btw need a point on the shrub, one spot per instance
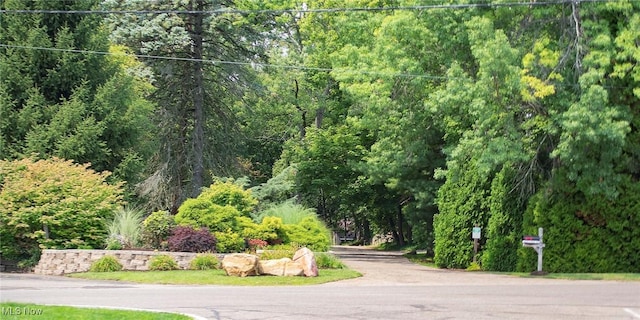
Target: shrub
(53, 204)
(230, 194)
(217, 208)
(310, 232)
(328, 261)
(163, 262)
(187, 239)
(205, 261)
(156, 228)
(504, 231)
(106, 264)
(230, 242)
(125, 228)
(202, 213)
(255, 244)
(463, 203)
(271, 229)
(584, 233)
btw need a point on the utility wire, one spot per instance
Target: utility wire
(223, 62)
(307, 10)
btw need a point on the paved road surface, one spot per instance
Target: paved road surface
(391, 288)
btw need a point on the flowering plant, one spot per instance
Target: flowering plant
(254, 244)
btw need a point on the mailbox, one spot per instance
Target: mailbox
(531, 241)
(536, 243)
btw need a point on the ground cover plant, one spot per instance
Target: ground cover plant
(163, 262)
(26, 311)
(106, 264)
(205, 261)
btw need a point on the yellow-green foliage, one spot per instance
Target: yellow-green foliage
(202, 213)
(163, 262)
(53, 204)
(310, 232)
(217, 208)
(230, 194)
(106, 264)
(474, 266)
(270, 229)
(205, 261)
(229, 241)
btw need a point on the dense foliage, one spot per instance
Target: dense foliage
(367, 117)
(187, 239)
(53, 204)
(156, 228)
(90, 108)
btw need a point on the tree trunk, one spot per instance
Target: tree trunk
(321, 109)
(394, 231)
(303, 113)
(198, 99)
(319, 117)
(367, 232)
(400, 227)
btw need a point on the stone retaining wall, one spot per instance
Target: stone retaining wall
(59, 262)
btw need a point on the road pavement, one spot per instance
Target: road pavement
(391, 288)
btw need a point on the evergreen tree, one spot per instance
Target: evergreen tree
(202, 68)
(62, 95)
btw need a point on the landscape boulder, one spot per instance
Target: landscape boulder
(307, 259)
(240, 265)
(280, 267)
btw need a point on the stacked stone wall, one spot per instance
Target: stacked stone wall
(59, 262)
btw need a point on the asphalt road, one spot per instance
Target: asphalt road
(391, 288)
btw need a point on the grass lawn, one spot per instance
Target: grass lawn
(24, 311)
(216, 277)
(583, 276)
(428, 261)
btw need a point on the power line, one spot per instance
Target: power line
(224, 62)
(307, 10)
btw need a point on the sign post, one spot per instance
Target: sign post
(537, 244)
(475, 234)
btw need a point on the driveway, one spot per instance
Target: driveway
(391, 288)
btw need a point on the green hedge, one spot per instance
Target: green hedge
(504, 232)
(463, 203)
(586, 234)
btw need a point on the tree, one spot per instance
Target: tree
(53, 204)
(199, 136)
(61, 99)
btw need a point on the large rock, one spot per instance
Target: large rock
(307, 259)
(280, 267)
(240, 265)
